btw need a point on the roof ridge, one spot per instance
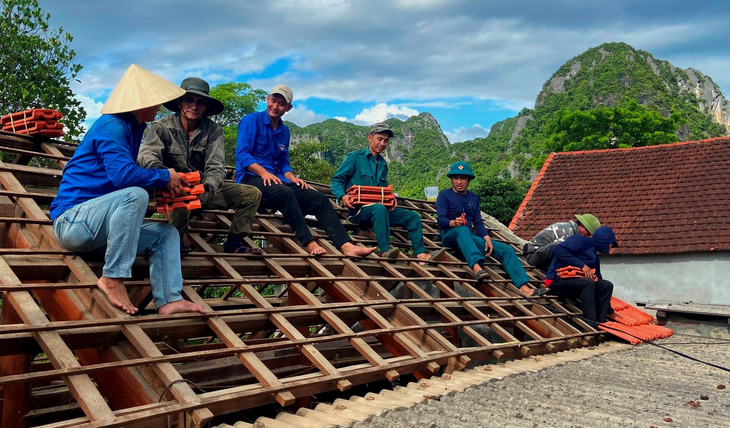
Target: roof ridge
(528, 196)
(655, 146)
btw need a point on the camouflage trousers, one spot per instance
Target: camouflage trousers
(241, 198)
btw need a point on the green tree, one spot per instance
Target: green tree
(239, 100)
(499, 198)
(307, 162)
(631, 125)
(36, 64)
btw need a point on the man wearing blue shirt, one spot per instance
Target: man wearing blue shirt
(262, 160)
(367, 167)
(461, 226)
(101, 203)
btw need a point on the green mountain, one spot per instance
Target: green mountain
(611, 82)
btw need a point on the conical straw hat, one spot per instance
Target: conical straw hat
(138, 89)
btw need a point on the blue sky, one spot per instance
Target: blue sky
(469, 63)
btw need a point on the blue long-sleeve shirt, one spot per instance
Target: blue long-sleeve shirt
(359, 168)
(259, 143)
(450, 205)
(105, 162)
(575, 251)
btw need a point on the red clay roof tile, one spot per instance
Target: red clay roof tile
(671, 198)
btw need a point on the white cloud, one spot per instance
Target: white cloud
(92, 107)
(340, 118)
(383, 111)
(467, 133)
(302, 116)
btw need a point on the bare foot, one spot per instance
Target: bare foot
(352, 250)
(180, 306)
(315, 249)
(423, 256)
(527, 290)
(116, 293)
(476, 268)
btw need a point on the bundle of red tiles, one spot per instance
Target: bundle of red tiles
(366, 195)
(40, 122)
(191, 200)
(571, 272)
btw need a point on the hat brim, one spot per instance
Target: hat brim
(214, 106)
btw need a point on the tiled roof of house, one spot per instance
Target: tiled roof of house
(672, 198)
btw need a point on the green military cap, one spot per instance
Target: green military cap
(380, 128)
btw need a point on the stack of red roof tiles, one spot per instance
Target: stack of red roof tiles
(41, 122)
(632, 324)
(665, 199)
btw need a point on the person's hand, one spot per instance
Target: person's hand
(488, 247)
(299, 182)
(460, 221)
(205, 197)
(270, 179)
(588, 273)
(395, 204)
(176, 185)
(346, 202)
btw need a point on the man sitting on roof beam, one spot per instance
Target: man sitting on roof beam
(367, 167)
(101, 203)
(262, 160)
(461, 226)
(188, 141)
(539, 250)
(575, 272)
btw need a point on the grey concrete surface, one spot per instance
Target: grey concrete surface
(697, 277)
(638, 387)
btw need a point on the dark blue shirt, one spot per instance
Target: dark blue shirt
(575, 251)
(259, 143)
(450, 205)
(105, 162)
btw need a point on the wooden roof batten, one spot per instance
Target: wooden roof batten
(69, 358)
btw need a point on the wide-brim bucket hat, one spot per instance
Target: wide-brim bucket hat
(460, 168)
(198, 86)
(139, 89)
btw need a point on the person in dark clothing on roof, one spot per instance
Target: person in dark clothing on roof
(581, 252)
(461, 226)
(262, 160)
(539, 250)
(101, 201)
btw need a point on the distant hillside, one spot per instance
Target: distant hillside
(610, 75)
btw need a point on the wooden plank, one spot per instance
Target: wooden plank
(81, 386)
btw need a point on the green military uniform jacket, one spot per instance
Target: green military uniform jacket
(359, 168)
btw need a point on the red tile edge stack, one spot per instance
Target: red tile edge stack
(166, 203)
(632, 324)
(366, 195)
(38, 122)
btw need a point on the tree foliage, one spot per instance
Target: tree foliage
(239, 99)
(631, 125)
(36, 64)
(499, 198)
(307, 162)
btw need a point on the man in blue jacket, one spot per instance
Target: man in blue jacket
(582, 252)
(367, 167)
(262, 161)
(101, 201)
(461, 226)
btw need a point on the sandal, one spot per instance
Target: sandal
(481, 275)
(243, 249)
(537, 292)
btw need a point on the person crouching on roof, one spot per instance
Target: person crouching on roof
(581, 253)
(101, 201)
(461, 226)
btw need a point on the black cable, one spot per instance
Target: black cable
(167, 388)
(595, 324)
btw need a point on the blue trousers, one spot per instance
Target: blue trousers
(114, 223)
(472, 247)
(380, 218)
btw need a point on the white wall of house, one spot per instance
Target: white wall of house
(697, 277)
